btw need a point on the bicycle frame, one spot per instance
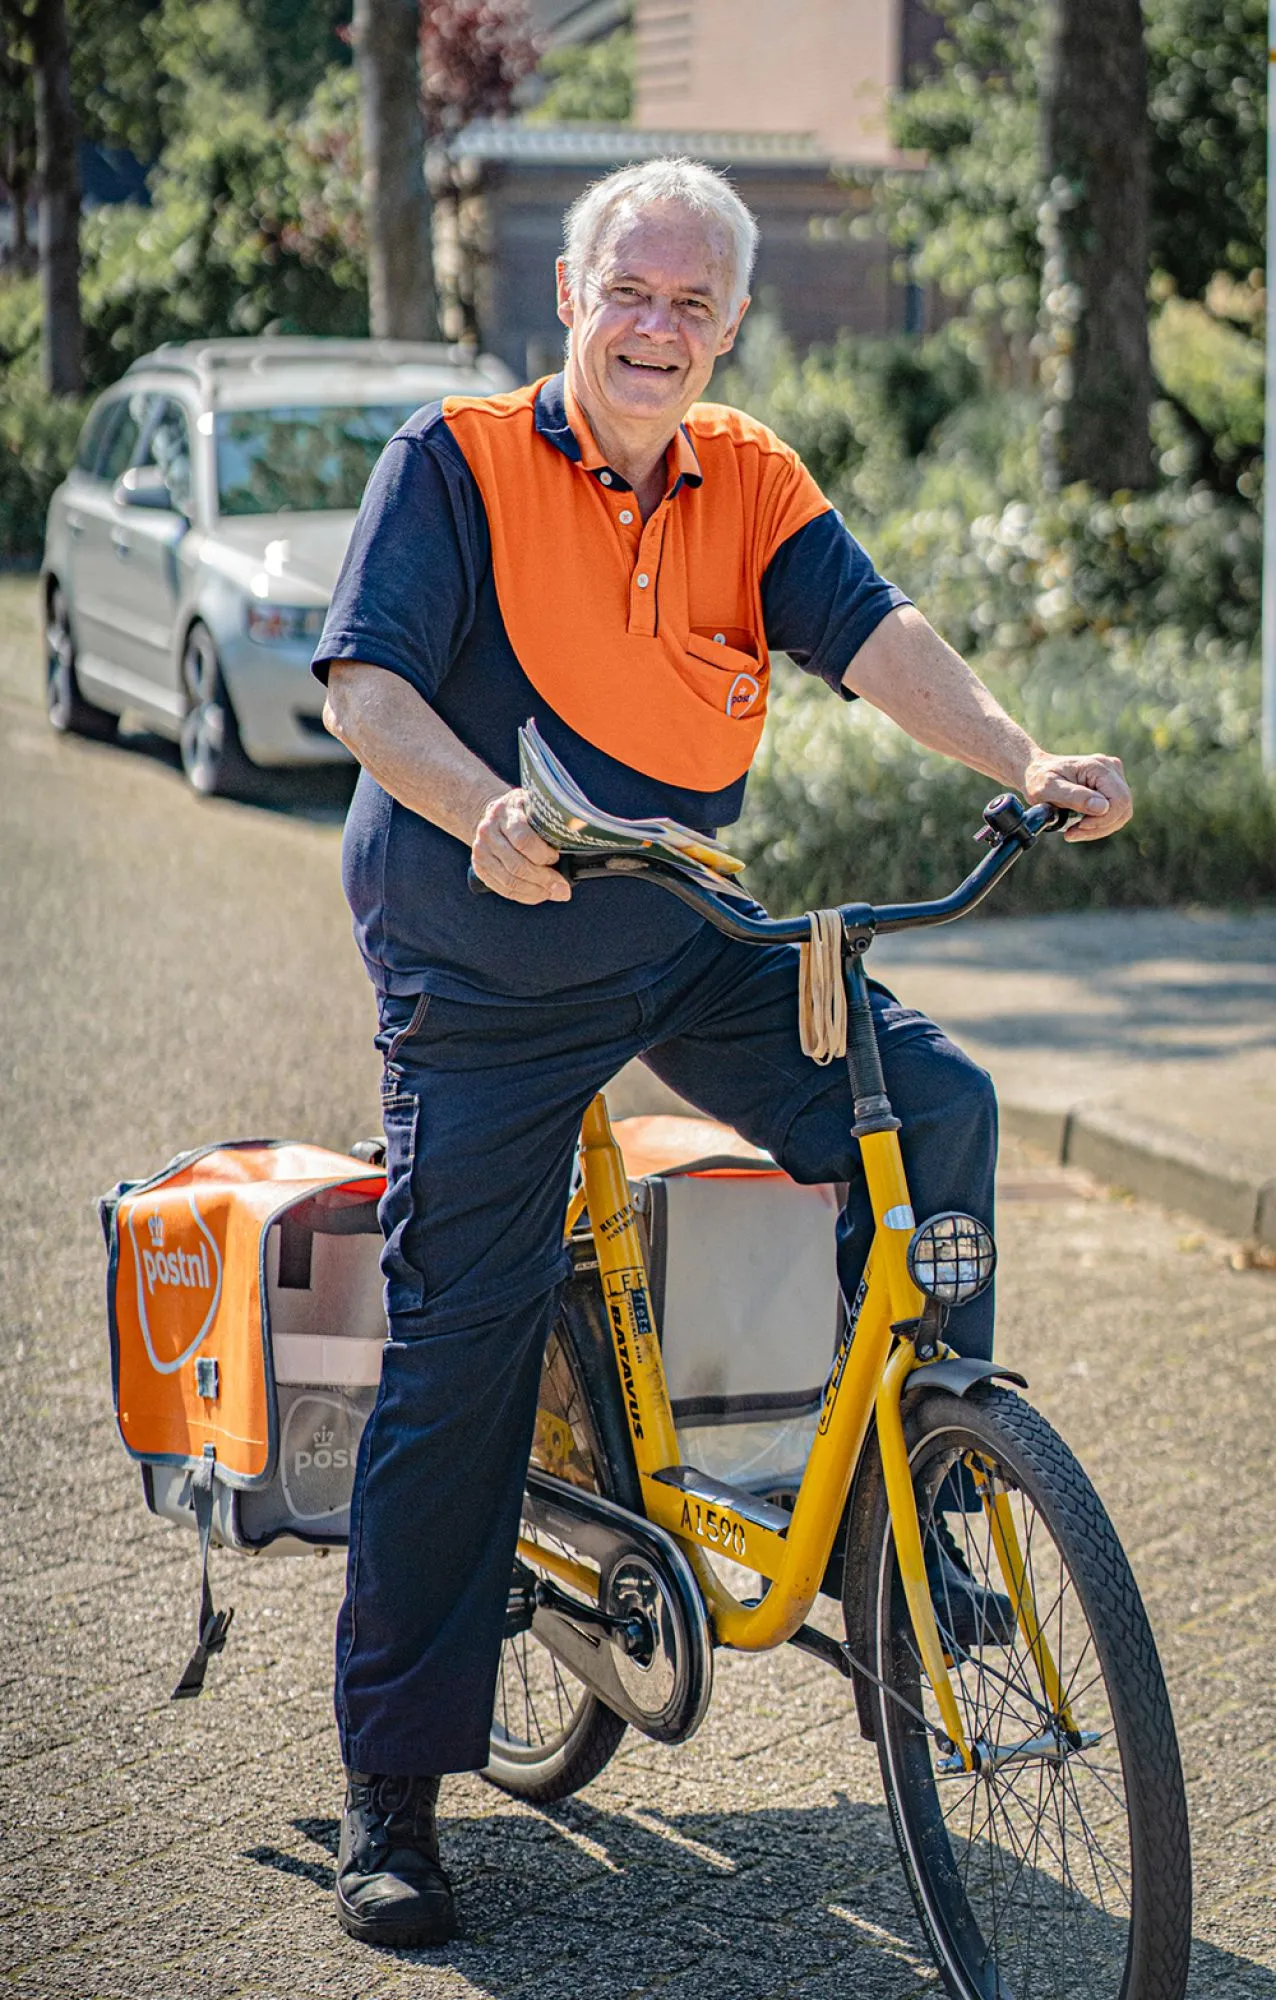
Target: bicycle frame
(872, 1364)
(860, 1384)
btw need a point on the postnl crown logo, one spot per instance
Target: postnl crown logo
(742, 694)
(179, 1287)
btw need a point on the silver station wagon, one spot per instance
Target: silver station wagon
(191, 551)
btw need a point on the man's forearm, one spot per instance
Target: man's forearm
(910, 673)
(414, 756)
(408, 749)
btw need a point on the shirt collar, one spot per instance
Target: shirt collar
(560, 420)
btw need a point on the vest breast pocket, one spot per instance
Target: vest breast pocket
(724, 671)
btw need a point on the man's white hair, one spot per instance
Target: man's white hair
(686, 184)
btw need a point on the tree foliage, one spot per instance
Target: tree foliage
(971, 221)
(588, 82)
(474, 55)
(1208, 112)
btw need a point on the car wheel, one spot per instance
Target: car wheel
(213, 757)
(68, 711)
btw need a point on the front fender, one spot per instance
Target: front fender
(958, 1373)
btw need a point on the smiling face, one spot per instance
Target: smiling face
(648, 320)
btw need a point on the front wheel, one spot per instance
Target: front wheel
(213, 758)
(1060, 1868)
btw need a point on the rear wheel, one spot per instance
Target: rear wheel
(68, 710)
(550, 1735)
(213, 758)
(1061, 1866)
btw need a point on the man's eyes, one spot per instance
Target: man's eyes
(630, 294)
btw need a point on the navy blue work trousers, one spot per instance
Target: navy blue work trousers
(482, 1106)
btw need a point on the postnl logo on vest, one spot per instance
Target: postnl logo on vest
(743, 692)
(179, 1283)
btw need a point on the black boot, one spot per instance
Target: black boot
(969, 1614)
(390, 1887)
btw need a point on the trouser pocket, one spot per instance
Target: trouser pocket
(398, 1027)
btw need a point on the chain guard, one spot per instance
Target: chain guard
(642, 1568)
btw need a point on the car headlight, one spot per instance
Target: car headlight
(952, 1258)
(282, 624)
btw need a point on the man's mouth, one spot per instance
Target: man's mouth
(650, 367)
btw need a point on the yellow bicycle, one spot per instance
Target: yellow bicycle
(1030, 1762)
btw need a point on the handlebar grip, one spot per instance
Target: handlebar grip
(1061, 818)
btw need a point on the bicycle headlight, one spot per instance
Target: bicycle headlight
(952, 1258)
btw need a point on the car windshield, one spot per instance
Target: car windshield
(301, 459)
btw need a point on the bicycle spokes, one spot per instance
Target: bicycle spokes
(1038, 1832)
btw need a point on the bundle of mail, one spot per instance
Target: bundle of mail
(563, 816)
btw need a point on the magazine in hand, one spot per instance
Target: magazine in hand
(562, 815)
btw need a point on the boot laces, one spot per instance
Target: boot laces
(402, 1808)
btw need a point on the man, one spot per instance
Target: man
(606, 554)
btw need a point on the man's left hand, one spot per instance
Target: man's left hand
(1094, 786)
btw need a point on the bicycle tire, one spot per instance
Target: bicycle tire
(1064, 1872)
(564, 1735)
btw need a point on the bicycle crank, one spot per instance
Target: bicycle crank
(645, 1648)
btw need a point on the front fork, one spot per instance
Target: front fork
(877, 1130)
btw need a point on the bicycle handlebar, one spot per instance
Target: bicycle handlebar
(1011, 827)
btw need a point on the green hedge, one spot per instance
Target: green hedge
(841, 804)
(37, 443)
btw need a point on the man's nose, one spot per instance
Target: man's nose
(657, 320)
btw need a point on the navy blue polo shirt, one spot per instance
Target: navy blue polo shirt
(439, 549)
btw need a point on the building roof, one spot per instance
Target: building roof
(560, 21)
(613, 145)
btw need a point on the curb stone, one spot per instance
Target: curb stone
(1162, 1163)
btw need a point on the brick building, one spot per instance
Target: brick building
(820, 67)
(783, 98)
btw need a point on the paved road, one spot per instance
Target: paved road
(171, 972)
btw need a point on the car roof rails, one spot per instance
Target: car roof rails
(206, 359)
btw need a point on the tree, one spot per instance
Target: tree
(58, 172)
(972, 220)
(396, 198)
(969, 220)
(1208, 110)
(971, 217)
(474, 55)
(272, 54)
(588, 82)
(1095, 236)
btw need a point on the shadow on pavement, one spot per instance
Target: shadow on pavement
(719, 1905)
(319, 792)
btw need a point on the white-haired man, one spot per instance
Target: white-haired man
(610, 555)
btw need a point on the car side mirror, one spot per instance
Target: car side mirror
(146, 486)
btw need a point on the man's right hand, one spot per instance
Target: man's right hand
(512, 859)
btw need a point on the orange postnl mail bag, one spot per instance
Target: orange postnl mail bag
(246, 1321)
